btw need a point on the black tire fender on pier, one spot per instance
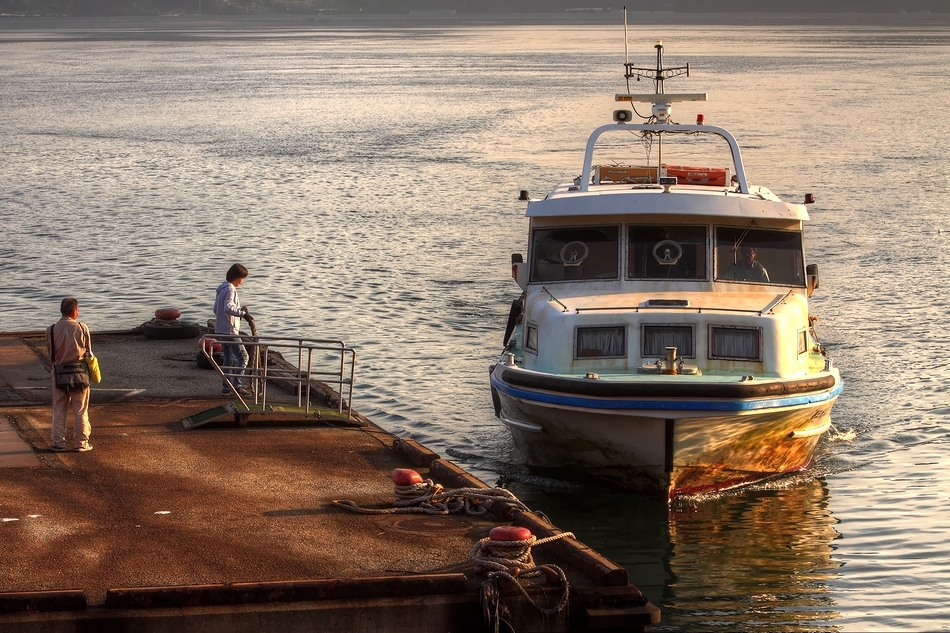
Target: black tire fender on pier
(204, 363)
(170, 330)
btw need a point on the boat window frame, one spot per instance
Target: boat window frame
(527, 327)
(708, 262)
(803, 350)
(603, 326)
(532, 271)
(643, 334)
(760, 342)
(754, 227)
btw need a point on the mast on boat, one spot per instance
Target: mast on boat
(662, 102)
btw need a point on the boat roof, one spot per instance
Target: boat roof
(682, 200)
(586, 197)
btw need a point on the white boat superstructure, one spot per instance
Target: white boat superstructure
(663, 340)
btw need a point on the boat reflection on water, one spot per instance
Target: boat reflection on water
(773, 547)
(761, 560)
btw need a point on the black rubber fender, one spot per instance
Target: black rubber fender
(171, 330)
(204, 363)
(514, 314)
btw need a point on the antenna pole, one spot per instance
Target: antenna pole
(658, 74)
(626, 56)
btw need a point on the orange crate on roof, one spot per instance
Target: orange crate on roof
(710, 176)
(627, 174)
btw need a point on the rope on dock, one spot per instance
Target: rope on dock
(504, 554)
(512, 560)
(428, 497)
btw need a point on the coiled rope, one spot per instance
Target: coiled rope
(511, 559)
(427, 497)
(504, 554)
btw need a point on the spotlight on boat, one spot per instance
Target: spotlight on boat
(667, 182)
(700, 119)
(523, 196)
(809, 198)
(622, 116)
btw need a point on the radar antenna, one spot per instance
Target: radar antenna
(658, 74)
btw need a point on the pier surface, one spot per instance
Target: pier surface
(231, 526)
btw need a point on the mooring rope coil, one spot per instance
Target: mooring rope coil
(428, 497)
(504, 553)
(512, 560)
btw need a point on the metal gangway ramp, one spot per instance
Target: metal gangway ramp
(312, 369)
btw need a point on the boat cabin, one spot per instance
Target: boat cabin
(633, 261)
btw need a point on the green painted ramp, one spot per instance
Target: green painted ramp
(233, 412)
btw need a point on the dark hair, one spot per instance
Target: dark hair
(67, 306)
(236, 272)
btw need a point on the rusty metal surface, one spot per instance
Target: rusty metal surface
(42, 601)
(155, 505)
(415, 452)
(286, 591)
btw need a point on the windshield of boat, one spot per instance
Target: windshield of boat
(747, 255)
(579, 253)
(666, 252)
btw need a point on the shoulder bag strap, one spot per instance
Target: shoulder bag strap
(88, 337)
(52, 345)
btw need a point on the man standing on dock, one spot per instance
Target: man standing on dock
(67, 343)
(227, 320)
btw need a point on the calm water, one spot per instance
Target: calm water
(368, 180)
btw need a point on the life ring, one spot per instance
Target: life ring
(209, 344)
(170, 330)
(574, 253)
(509, 533)
(167, 314)
(667, 258)
(405, 477)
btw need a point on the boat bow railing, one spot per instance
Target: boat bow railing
(768, 309)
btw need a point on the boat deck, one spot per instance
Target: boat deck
(232, 527)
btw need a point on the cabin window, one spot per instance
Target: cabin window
(759, 256)
(573, 254)
(531, 337)
(600, 342)
(666, 252)
(656, 338)
(736, 343)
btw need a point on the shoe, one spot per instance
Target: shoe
(58, 448)
(82, 448)
(243, 391)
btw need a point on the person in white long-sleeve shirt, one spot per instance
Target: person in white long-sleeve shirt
(227, 320)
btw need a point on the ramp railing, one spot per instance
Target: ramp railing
(294, 361)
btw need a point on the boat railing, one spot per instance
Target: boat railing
(696, 309)
(296, 362)
(663, 128)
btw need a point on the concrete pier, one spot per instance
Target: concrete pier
(232, 527)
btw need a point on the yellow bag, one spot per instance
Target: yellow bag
(92, 363)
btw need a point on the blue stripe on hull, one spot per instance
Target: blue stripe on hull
(622, 404)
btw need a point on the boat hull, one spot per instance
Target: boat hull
(666, 446)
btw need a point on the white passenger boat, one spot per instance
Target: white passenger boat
(663, 341)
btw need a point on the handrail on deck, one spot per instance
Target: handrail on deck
(336, 366)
